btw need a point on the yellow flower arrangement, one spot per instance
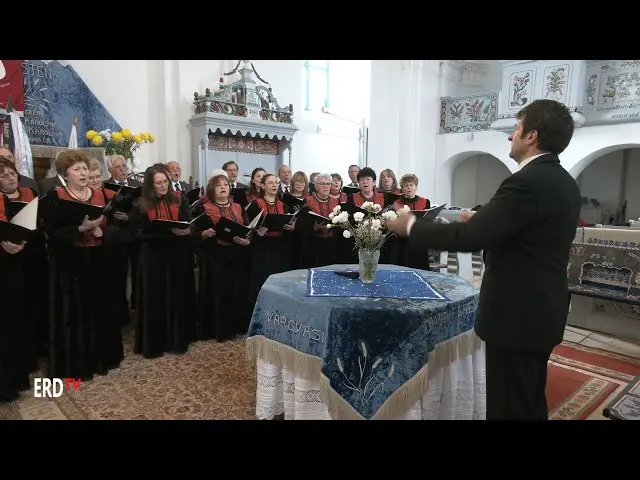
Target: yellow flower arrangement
(123, 143)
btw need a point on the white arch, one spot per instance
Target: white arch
(584, 162)
(455, 148)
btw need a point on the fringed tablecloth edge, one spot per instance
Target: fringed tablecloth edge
(275, 353)
(412, 390)
(310, 368)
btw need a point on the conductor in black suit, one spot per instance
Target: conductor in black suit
(526, 231)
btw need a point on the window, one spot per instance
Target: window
(317, 84)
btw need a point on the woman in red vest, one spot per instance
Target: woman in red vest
(81, 341)
(166, 283)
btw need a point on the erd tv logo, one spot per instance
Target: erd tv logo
(53, 387)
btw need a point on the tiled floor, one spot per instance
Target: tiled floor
(604, 342)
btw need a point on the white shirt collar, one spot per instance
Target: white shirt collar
(526, 161)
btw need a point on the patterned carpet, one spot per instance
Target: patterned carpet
(582, 380)
(213, 381)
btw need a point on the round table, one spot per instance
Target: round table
(356, 357)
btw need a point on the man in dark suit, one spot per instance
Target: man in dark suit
(284, 174)
(117, 168)
(232, 172)
(23, 182)
(526, 231)
(118, 171)
(176, 172)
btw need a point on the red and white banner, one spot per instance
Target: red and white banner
(11, 87)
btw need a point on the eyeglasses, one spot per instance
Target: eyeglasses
(323, 184)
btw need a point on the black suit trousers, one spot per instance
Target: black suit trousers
(516, 383)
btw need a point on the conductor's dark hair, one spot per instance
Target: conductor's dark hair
(552, 120)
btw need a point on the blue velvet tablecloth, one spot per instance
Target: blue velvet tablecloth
(369, 347)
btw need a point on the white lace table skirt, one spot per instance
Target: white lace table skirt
(455, 392)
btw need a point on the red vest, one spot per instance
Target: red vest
(323, 208)
(97, 199)
(232, 212)
(416, 203)
(267, 208)
(377, 198)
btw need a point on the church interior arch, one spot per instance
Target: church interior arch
(475, 179)
(608, 181)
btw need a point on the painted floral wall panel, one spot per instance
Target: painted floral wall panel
(612, 92)
(468, 114)
(520, 89)
(556, 83)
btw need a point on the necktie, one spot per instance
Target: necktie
(177, 186)
(286, 189)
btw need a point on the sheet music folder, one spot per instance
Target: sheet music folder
(159, 226)
(291, 201)
(430, 214)
(69, 213)
(227, 229)
(276, 221)
(124, 198)
(22, 224)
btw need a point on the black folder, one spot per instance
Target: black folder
(14, 233)
(316, 217)
(193, 196)
(160, 227)
(14, 207)
(291, 201)
(349, 190)
(227, 229)
(124, 199)
(69, 213)
(123, 189)
(275, 221)
(430, 214)
(14, 230)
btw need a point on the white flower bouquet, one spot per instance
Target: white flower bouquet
(368, 228)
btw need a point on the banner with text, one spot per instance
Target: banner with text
(53, 95)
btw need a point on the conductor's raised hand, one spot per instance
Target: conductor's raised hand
(400, 224)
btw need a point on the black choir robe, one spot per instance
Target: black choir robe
(403, 253)
(15, 339)
(270, 254)
(166, 290)
(84, 333)
(224, 301)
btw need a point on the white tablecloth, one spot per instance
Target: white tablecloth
(455, 392)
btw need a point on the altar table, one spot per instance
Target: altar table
(347, 358)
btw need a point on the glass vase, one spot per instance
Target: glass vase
(368, 264)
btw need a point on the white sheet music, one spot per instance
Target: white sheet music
(28, 216)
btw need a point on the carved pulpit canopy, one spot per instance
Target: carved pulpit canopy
(244, 107)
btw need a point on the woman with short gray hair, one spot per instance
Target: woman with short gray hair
(321, 239)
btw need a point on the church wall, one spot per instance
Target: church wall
(588, 144)
(121, 86)
(157, 95)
